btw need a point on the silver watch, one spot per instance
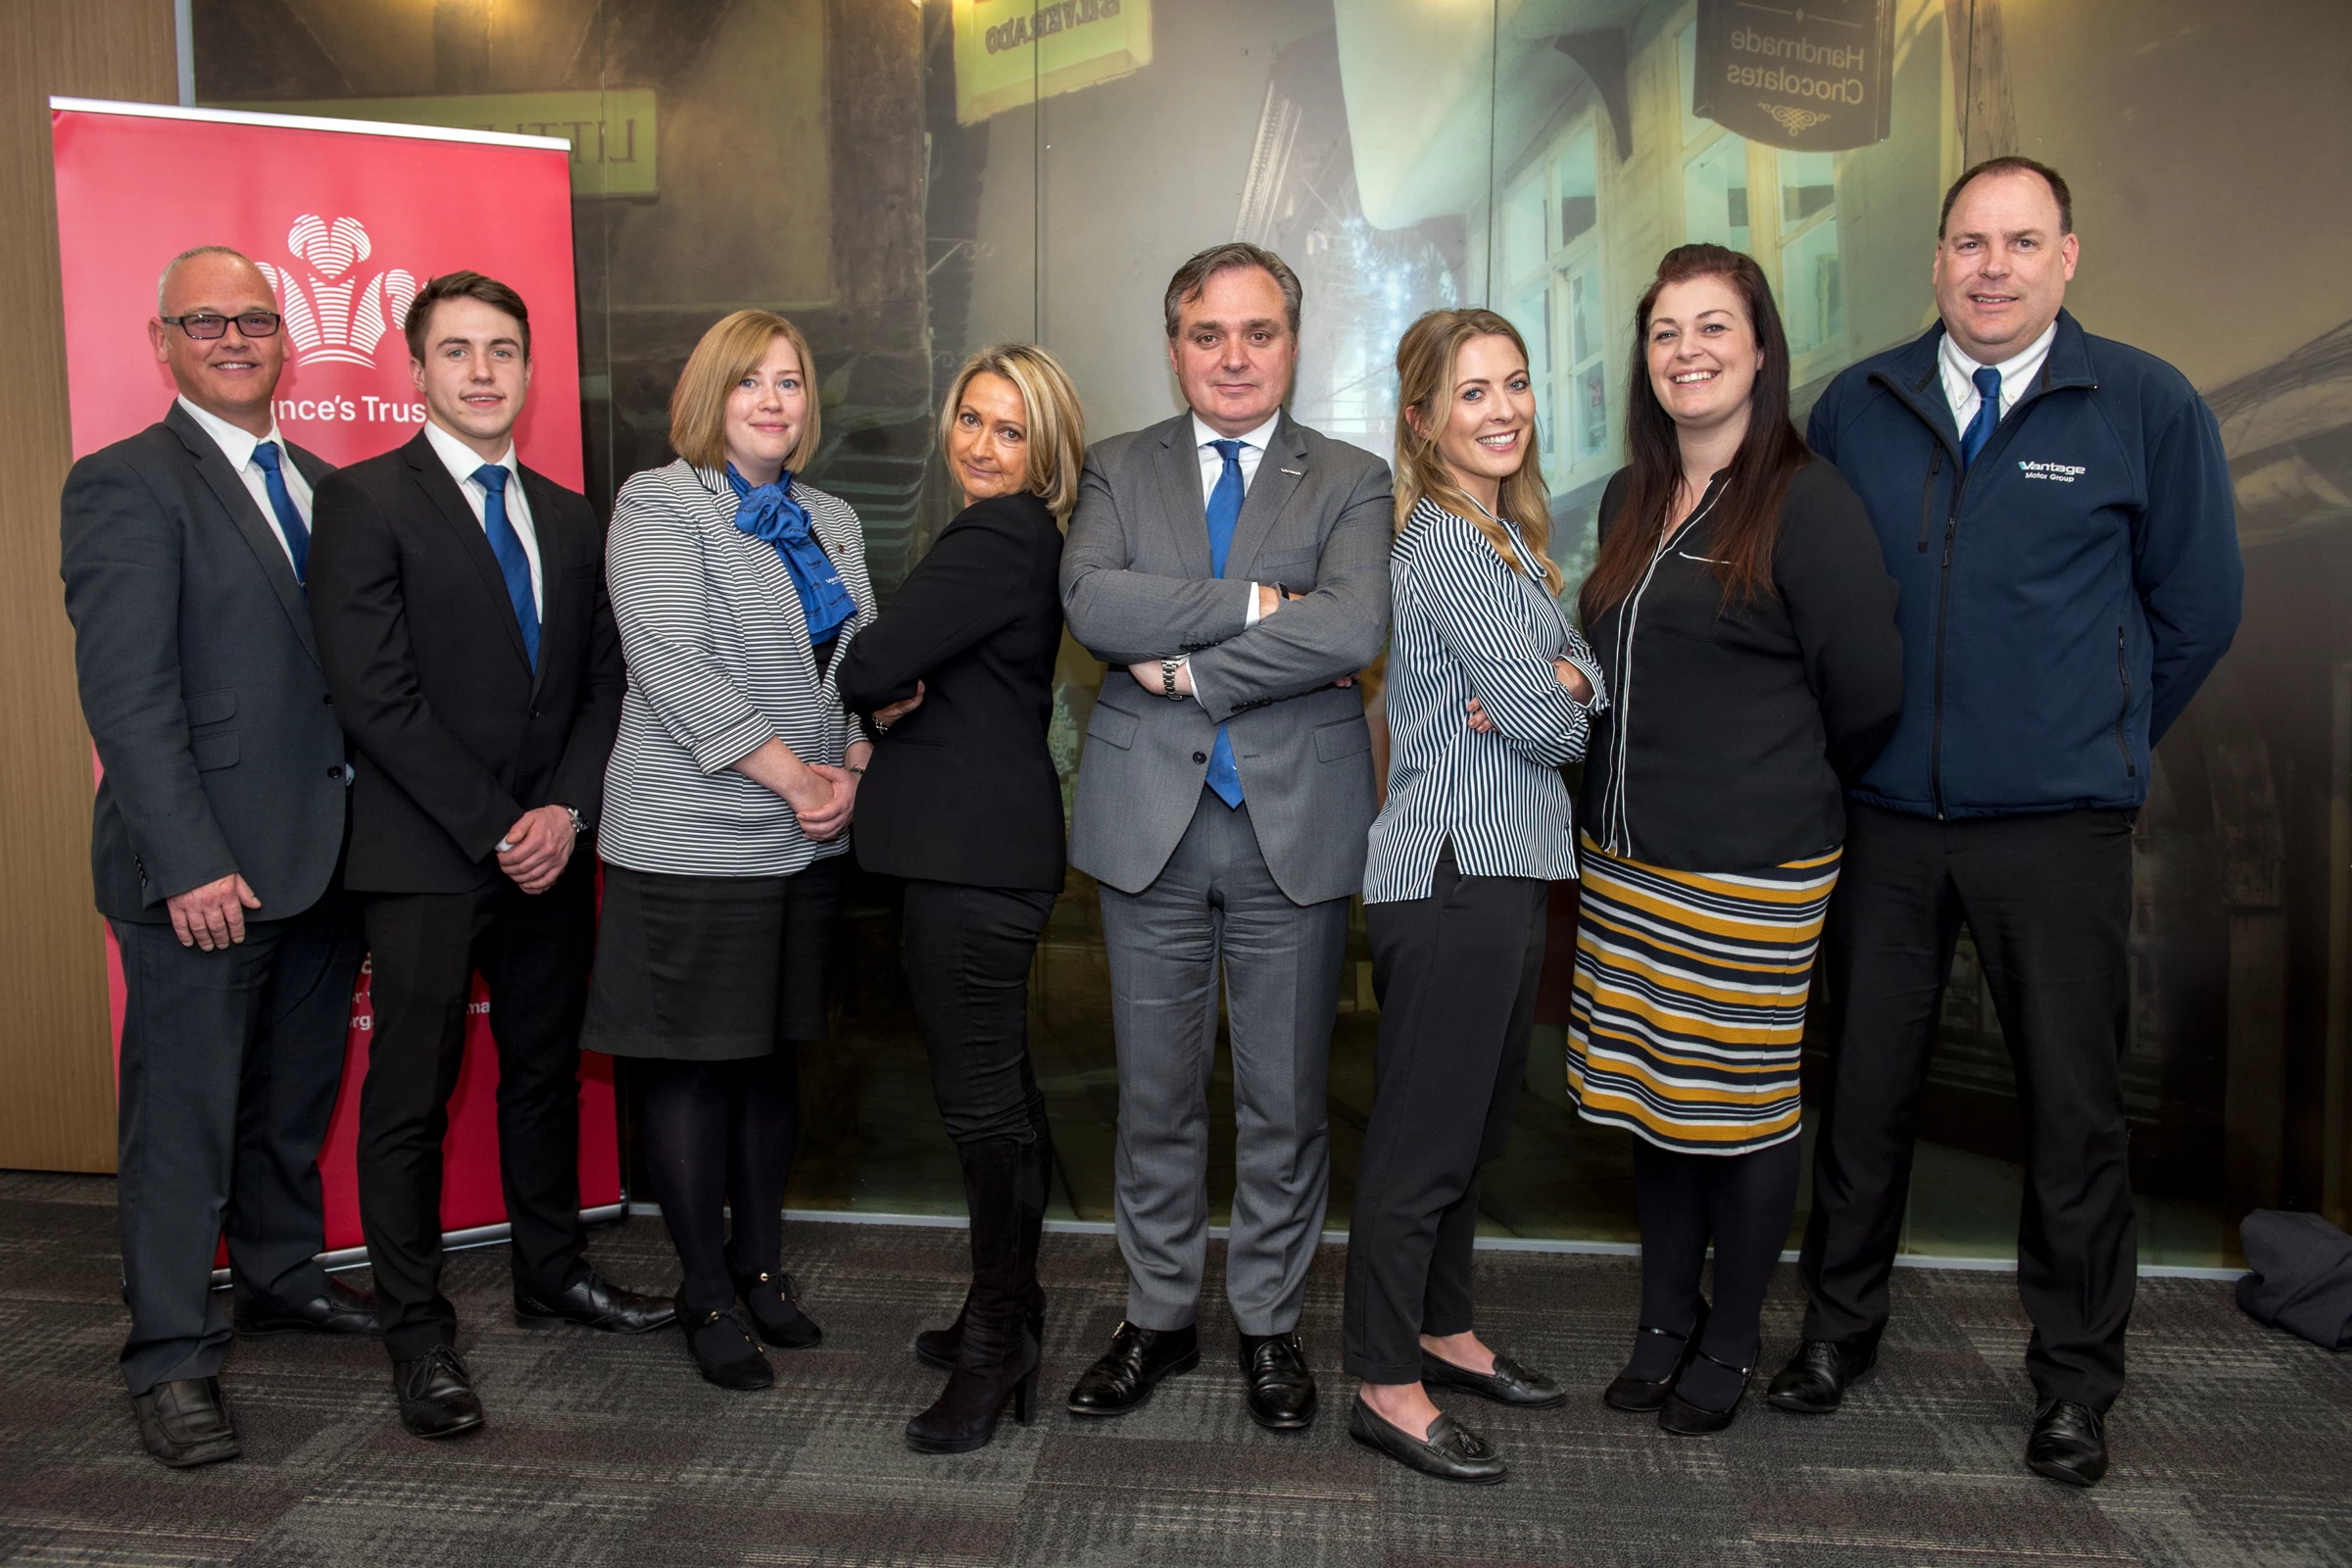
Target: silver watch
(579, 824)
(1167, 679)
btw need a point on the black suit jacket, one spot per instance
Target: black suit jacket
(200, 680)
(455, 735)
(963, 788)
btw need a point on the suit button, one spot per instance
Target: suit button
(1199, 757)
(534, 712)
(334, 771)
(327, 698)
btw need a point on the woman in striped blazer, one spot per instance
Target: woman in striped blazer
(737, 589)
(1489, 692)
(1744, 616)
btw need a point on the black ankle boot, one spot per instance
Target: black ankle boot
(997, 1355)
(938, 1348)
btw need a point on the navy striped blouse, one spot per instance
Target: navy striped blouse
(1467, 626)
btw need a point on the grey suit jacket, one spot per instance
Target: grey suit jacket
(200, 680)
(1135, 584)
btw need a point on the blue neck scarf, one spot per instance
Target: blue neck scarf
(768, 512)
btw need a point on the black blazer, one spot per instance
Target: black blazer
(454, 734)
(200, 680)
(963, 788)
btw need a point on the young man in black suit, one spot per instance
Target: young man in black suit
(215, 844)
(460, 603)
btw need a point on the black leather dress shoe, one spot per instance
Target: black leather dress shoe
(725, 1353)
(186, 1424)
(1282, 1391)
(593, 1302)
(1127, 1373)
(1817, 1376)
(1509, 1384)
(2069, 1443)
(774, 1309)
(1451, 1451)
(1645, 1395)
(1686, 1419)
(436, 1393)
(340, 1310)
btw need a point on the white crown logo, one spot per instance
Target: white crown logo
(335, 318)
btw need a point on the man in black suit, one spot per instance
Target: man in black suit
(460, 603)
(214, 848)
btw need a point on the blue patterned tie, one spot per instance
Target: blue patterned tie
(281, 502)
(1988, 414)
(507, 545)
(1224, 512)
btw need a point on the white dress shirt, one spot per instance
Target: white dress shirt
(237, 447)
(461, 460)
(1213, 468)
(2016, 376)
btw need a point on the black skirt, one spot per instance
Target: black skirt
(711, 968)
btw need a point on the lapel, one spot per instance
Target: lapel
(431, 476)
(1181, 503)
(1271, 490)
(544, 498)
(259, 535)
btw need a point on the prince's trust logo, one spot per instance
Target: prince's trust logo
(2058, 472)
(335, 318)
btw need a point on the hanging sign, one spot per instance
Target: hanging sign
(1817, 76)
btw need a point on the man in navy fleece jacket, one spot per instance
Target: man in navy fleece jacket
(2056, 510)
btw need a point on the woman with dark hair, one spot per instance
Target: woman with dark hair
(1746, 623)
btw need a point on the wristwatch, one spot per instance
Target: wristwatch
(579, 824)
(1167, 679)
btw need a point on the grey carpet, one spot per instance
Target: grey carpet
(2233, 1446)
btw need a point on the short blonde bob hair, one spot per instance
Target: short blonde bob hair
(1057, 425)
(730, 351)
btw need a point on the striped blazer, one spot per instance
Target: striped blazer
(1468, 625)
(720, 661)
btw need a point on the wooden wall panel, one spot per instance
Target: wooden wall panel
(57, 1098)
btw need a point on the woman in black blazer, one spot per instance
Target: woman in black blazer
(961, 800)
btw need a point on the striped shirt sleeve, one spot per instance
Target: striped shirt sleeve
(1509, 671)
(654, 573)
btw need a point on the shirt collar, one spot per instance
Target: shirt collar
(1965, 368)
(235, 445)
(1260, 438)
(462, 460)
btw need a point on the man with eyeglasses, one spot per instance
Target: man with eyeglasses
(216, 849)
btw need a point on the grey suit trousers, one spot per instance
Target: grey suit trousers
(1215, 907)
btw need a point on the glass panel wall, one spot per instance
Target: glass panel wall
(911, 180)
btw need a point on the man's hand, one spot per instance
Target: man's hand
(1148, 675)
(537, 848)
(886, 716)
(212, 916)
(831, 819)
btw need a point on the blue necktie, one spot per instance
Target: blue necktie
(1224, 512)
(507, 545)
(1988, 414)
(281, 502)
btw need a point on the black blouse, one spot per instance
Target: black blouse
(1732, 727)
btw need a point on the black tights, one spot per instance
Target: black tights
(1743, 1203)
(722, 1132)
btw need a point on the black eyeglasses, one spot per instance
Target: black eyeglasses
(205, 326)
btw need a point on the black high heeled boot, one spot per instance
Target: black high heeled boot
(938, 1348)
(997, 1356)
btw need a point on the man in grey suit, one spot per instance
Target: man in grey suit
(1231, 567)
(216, 842)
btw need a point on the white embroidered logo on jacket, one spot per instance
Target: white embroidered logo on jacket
(336, 319)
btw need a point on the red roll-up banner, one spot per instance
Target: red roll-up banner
(347, 219)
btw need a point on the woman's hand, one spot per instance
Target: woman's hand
(1479, 720)
(1573, 680)
(830, 819)
(884, 718)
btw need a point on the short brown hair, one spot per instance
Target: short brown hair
(462, 285)
(730, 351)
(1056, 445)
(1194, 276)
(2011, 164)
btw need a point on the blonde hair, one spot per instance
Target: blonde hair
(730, 351)
(1425, 360)
(1056, 445)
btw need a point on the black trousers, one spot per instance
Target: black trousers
(230, 1063)
(534, 953)
(969, 951)
(1456, 973)
(2049, 901)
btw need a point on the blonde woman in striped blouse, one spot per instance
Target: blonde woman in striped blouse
(1489, 692)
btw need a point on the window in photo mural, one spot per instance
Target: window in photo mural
(1812, 281)
(1551, 244)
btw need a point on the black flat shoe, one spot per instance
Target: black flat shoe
(338, 1309)
(1817, 1376)
(1684, 1419)
(436, 1394)
(1451, 1451)
(593, 1302)
(774, 1309)
(1642, 1396)
(184, 1423)
(2069, 1443)
(1281, 1388)
(1123, 1379)
(1509, 1384)
(724, 1352)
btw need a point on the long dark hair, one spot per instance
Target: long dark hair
(1746, 519)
